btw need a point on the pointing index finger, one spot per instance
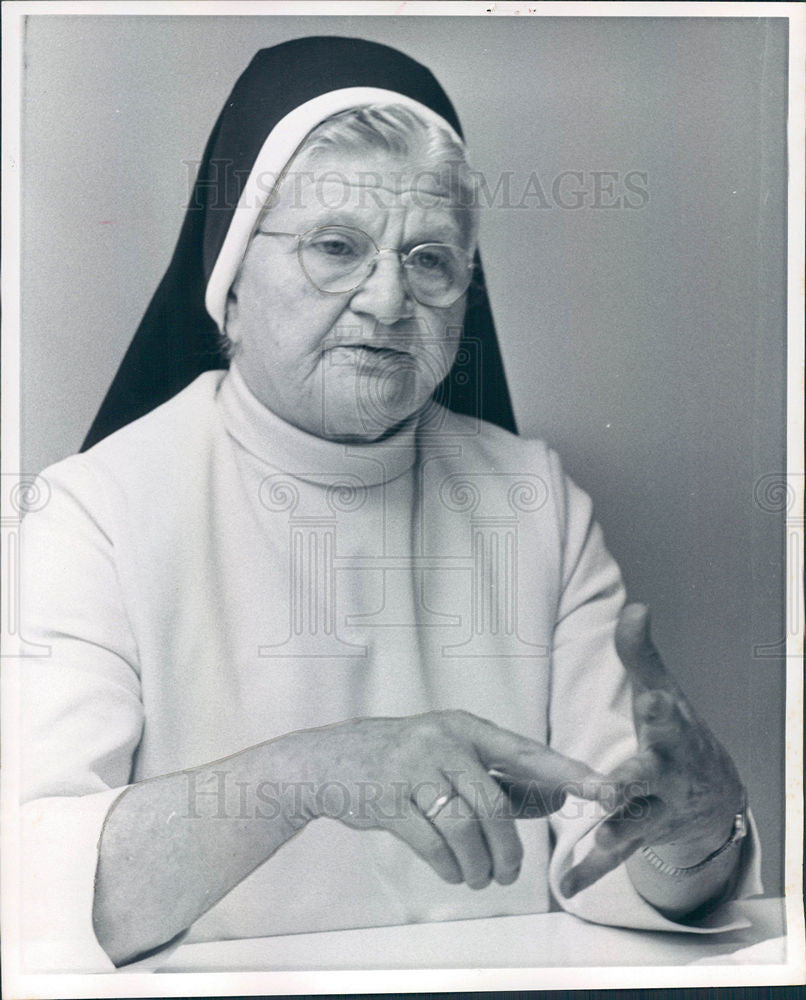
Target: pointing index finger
(521, 759)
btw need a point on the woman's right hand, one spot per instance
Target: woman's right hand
(174, 845)
(395, 773)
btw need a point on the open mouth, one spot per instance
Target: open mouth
(367, 356)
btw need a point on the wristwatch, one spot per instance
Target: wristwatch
(737, 835)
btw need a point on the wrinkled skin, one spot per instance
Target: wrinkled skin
(348, 366)
(679, 794)
(386, 773)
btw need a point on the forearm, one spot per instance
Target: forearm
(173, 846)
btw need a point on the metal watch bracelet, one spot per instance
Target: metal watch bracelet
(738, 833)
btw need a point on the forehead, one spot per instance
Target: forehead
(379, 186)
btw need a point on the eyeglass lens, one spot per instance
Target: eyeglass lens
(338, 259)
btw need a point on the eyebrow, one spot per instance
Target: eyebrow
(443, 231)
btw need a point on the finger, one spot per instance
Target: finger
(597, 863)
(489, 804)
(426, 795)
(464, 836)
(533, 798)
(617, 838)
(518, 757)
(426, 841)
(658, 720)
(527, 799)
(654, 708)
(640, 817)
(459, 829)
(637, 777)
(637, 651)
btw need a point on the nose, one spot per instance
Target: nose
(383, 294)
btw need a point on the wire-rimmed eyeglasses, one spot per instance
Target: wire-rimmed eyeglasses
(338, 259)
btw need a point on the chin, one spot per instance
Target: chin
(359, 415)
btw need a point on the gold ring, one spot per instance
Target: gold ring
(438, 805)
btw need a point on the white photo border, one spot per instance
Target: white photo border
(123, 984)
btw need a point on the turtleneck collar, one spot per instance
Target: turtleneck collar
(304, 455)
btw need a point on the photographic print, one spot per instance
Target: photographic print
(402, 497)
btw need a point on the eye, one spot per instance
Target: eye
(334, 246)
(430, 259)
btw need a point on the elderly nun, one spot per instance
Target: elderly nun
(330, 646)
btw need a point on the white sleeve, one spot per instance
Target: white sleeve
(81, 717)
(590, 719)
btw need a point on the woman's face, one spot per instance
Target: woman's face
(352, 365)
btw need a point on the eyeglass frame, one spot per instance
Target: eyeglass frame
(402, 257)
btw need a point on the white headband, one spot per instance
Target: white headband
(280, 145)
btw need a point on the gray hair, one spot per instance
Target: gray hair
(400, 131)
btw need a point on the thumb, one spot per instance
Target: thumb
(637, 651)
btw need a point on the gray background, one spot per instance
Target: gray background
(647, 345)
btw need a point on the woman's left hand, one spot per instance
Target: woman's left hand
(680, 793)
